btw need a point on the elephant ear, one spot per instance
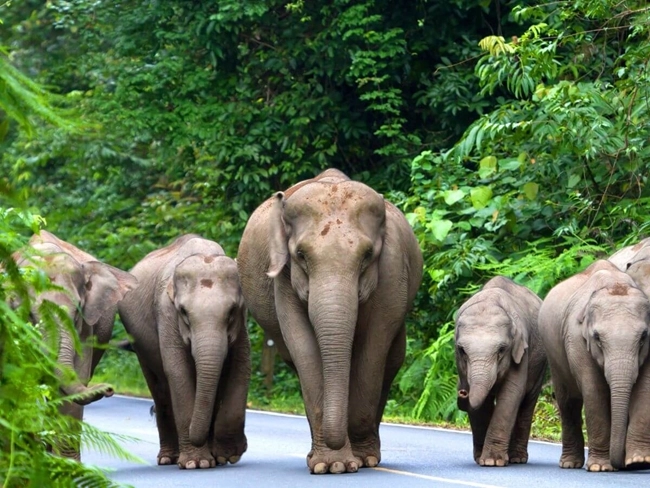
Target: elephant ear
(278, 246)
(518, 331)
(104, 287)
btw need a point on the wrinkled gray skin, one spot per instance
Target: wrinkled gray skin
(329, 269)
(90, 287)
(500, 359)
(188, 323)
(635, 261)
(594, 327)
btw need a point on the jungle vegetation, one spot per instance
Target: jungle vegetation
(514, 135)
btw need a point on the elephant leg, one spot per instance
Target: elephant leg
(300, 341)
(180, 373)
(637, 449)
(229, 441)
(518, 450)
(167, 434)
(479, 421)
(569, 404)
(70, 446)
(598, 419)
(500, 429)
(375, 362)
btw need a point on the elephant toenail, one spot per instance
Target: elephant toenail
(337, 467)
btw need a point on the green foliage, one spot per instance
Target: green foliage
(30, 396)
(554, 176)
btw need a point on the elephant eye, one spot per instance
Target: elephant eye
(461, 350)
(501, 350)
(367, 254)
(183, 310)
(597, 337)
(301, 254)
(644, 336)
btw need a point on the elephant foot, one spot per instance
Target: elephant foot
(229, 449)
(597, 464)
(571, 461)
(197, 458)
(638, 460)
(518, 457)
(369, 452)
(493, 458)
(167, 459)
(323, 460)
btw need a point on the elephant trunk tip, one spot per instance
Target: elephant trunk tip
(463, 400)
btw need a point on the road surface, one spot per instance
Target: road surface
(414, 457)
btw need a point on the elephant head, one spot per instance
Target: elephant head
(614, 324)
(87, 291)
(209, 310)
(490, 336)
(328, 235)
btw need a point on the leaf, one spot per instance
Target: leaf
(487, 166)
(509, 164)
(573, 180)
(530, 190)
(453, 196)
(480, 196)
(440, 228)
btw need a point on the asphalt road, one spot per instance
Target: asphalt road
(277, 445)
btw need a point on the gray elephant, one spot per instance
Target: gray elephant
(188, 324)
(594, 327)
(625, 256)
(90, 291)
(635, 261)
(329, 269)
(500, 358)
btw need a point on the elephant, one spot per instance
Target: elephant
(90, 292)
(499, 357)
(625, 256)
(594, 327)
(187, 321)
(329, 269)
(635, 261)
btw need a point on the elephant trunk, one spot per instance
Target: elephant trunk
(621, 380)
(209, 356)
(481, 376)
(333, 307)
(66, 358)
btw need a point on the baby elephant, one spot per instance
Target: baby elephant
(188, 323)
(499, 357)
(594, 327)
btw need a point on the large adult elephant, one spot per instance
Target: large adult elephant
(594, 327)
(90, 291)
(329, 269)
(188, 323)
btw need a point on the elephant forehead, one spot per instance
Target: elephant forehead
(326, 199)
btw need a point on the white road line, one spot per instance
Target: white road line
(388, 424)
(436, 478)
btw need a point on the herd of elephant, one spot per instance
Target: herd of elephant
(329, 269)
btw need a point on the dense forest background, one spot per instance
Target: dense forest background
(514, 134)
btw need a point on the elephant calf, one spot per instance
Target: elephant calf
(188, 323)
(499, 357)
(594, 327)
